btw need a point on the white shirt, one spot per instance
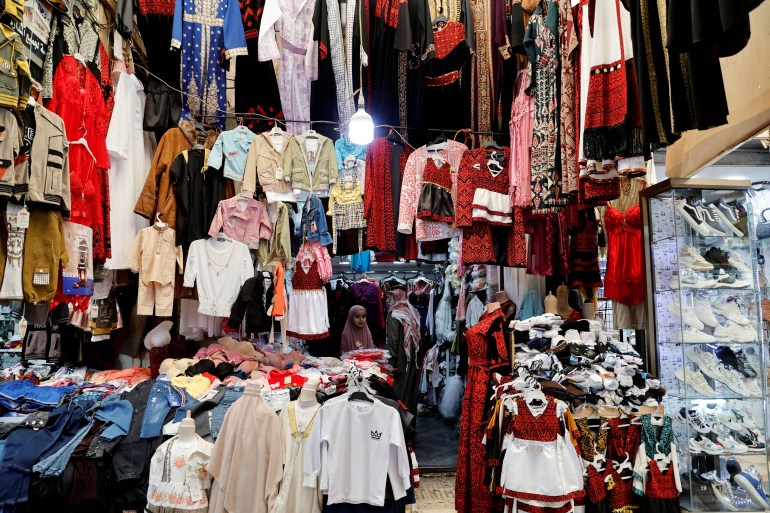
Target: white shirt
(219, 269)
(130, 152)
(353, 449)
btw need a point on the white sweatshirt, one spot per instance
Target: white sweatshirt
(354, 447)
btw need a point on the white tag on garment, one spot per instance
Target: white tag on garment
(22, 219)
(22, 327)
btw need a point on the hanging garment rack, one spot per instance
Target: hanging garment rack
(223, 114)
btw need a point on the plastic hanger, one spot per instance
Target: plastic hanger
(311, 134)
(158, 223)
(82, 141)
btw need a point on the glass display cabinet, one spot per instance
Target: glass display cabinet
(705, 341)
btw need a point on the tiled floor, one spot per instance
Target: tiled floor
(436, 493)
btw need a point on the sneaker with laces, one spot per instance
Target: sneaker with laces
(722, 490)
(704, 311)
(694, 420)
(710, 415)
(692, 336)
(731, 310)
(728, 281)
(692, 216)
(696, 380)
(745, 419)
(729, 358)
(711, 493)
(713, 222)
(686, 313)
(718, 258)
(734, 381)
(750, 440)
(689, 279)
(751, 481)
(731, 445)
(690, 257)
(736, 260)
(699, 444)
(704, 360)
(751, 355)
(728, 217)
(727, 417)
(731, 332)
(736, 216)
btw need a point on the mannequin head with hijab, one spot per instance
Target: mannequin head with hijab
(356, 334)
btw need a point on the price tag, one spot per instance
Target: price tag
(95, 312)
(22, 219)
(195, 494)
(22, 327)
(287, 380)
(172, 399)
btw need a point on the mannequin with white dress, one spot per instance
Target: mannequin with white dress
(175, 471)
(296, 422)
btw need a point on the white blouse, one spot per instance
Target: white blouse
(219, 268)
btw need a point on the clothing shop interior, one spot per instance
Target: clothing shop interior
(384, 256)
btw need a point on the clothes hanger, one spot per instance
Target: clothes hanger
(83, 142)
(355, 383)
(440, 139)
(160, 224)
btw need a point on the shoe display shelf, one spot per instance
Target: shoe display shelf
(706, 344)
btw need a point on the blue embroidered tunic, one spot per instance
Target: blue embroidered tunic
(204, 30)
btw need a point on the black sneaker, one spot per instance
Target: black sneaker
(713, 222)
(730, 359)
(743, 217)
(691, 215)
(718, 258)
(750, 439)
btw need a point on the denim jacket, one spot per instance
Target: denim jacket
(314, 227)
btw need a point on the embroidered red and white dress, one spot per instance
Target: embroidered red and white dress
(308, 312)
(411, 188)
(541, 464)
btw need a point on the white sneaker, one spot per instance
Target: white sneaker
(736, 260)
(686, 313)
(731, 445)
(727, 281)
(734, 381)
(727, 417)
(731, 332)
(703, 311)
(704, 360)
(695, 420)
(704, 445)
(689, 279)
(691, 257)
(751, 385)
(696, 380)
(752, 356)
(730, 310)
(711, 418)
(745, 419)
(692, 336)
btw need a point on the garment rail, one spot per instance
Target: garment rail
(222, 114)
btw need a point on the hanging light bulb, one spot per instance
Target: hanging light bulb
(361, 125)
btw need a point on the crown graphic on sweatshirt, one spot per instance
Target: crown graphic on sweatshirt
(376, 435)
